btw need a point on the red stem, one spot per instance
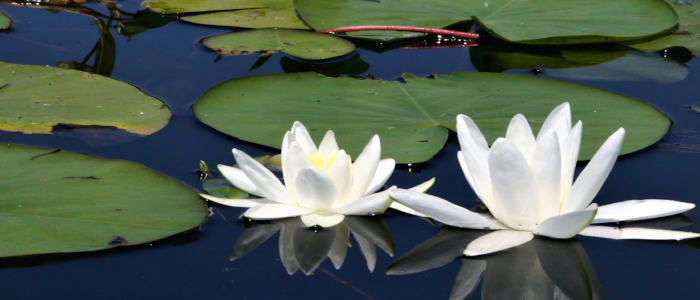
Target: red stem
(468, 35)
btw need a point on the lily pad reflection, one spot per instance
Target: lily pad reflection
(540, 269)
(304, 249)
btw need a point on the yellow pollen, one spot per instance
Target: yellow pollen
(317, 160)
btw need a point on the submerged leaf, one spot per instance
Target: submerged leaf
(524, 21)
(413, 118)
(303, 44)
(36, 99)
(58, 201)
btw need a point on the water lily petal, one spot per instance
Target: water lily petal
(546, 166)
(636, 210)
(520, 134)
(444, 211)
(558, 120)
(566, 225)
(293, 161)
(301, 136)
(497, 241)
(384, 170)
(570, 146)
(475, 153)
(339, 248)
(322, 219)
(425, 186)
(274, 211)
(593, 176)
(267, 184)
(368, 205)
(328, 145)
(236, 202)
(514, 185)
(236, 177)
(315, 189)
(339, 171)
(364, 168)
(422, 188)
(633, 233)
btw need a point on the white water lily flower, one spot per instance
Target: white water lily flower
(527, 184)
(322, 184)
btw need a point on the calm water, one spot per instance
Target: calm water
(169, 63)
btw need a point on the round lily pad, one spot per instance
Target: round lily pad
(55, 201)
(36, 99)
(413, 118)
(303, 44)
(5, 21)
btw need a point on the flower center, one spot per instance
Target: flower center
(317, 160)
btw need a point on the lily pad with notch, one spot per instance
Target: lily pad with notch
(524, 21)
(686, 35)
(302, 44)
(55, 201)
(413, 119)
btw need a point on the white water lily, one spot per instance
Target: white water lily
(322, 184)
(527, 184)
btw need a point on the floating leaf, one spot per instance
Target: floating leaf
(58, 201)
(240, 13)
(595, 63)
(220, 187)
(36, 99)
(688, 33)
(413, 118)
(524, 21)
(188, 6)
(274, 14)
(5, 21)
(303, 44)
(142, 21)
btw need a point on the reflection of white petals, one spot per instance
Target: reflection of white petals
(633, 233)
(636, 210)
(497, 241)
(322, 219)
(566, 225)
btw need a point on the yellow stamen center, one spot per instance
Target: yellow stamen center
(317, 160)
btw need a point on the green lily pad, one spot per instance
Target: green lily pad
(413, 118)
(5, 21)
(35, 99)
(142, 21)
(274, 14)
(524, 21)
(188, 6)
(688, 33)
(303, 44)
(58, 202)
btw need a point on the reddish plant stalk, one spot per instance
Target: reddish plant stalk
(468, 35)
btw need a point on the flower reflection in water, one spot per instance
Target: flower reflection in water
(303, 248)
(541, 269)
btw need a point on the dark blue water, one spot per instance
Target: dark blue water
(169, 63)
